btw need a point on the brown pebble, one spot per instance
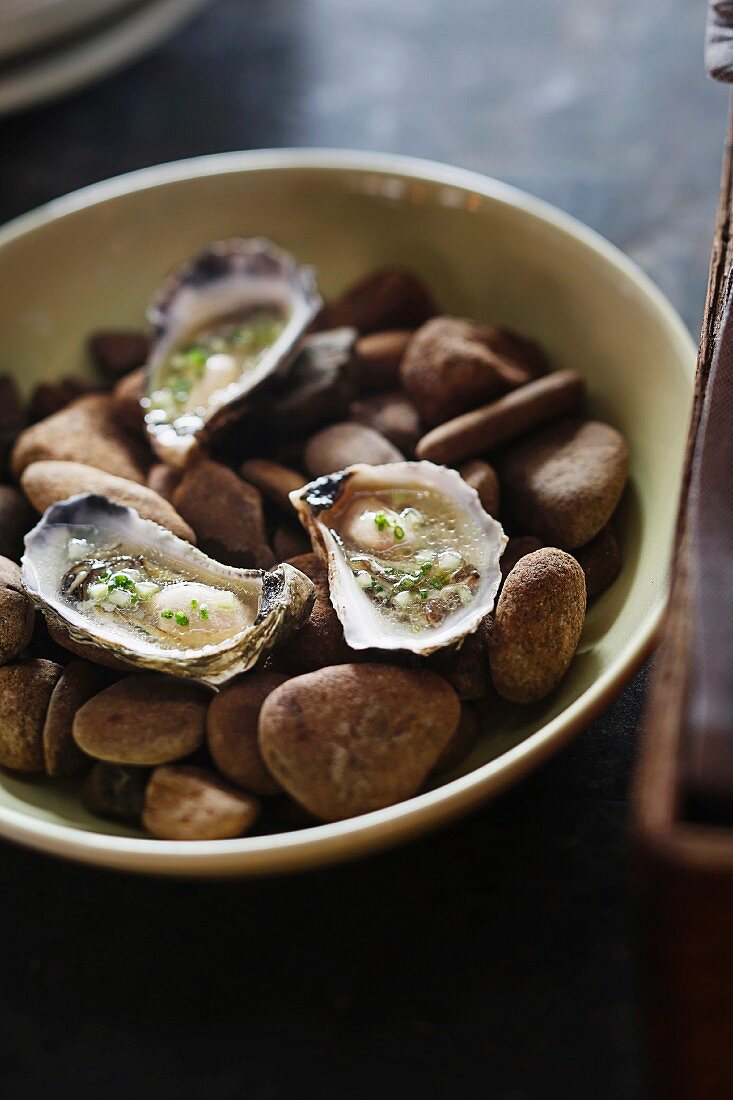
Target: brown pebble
(79, 682)
(12, 419)
(466, 666)
(111, 790)
(115, 352)
(537, 625)
(565, 482)
(144, 719)
(87, 431)
(282, 815)
(51, 397)
(503, 420)
(353, 738)
(226, 514)
(48, 398)
(164, 480)
(462, 742)
(231, 731)
(127, 395)
(273, 481)
(289, 541)
(392, 415)
(377, 358)
(45, 483)
(289, 451)
(600, 560)
(390, 298)
(17, 616)
(452, 365)
(25, 691)
(16, 519)
(515, 549)
(341, 445)
(43, 645)
(187, 803)
(482, 477)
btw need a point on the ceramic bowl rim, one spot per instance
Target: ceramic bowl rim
(327, 843)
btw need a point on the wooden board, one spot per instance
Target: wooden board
(683, 858)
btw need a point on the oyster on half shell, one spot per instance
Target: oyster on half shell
(413, 559)
(223, 324)
(122, 587)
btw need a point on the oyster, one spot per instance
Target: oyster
(123, 587)
(413, 559)
(222, 324)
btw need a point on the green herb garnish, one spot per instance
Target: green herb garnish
(182, 618)
(194, 604)
(399, 532)
(196, 355)
(203, 611)
(121, 580)
(167, 614)
(381, 521)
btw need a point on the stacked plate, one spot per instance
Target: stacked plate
(51, 47)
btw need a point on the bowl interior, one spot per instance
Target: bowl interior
(487, 252)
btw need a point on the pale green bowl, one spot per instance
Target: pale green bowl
(488, 251)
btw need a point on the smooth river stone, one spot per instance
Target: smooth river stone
(564, 483)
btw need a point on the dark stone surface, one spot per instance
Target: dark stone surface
(494, 958)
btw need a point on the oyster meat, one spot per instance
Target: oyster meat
(413, 559)
(222, 325)
(123, 587)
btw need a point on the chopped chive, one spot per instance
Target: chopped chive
(121, 580)
(196, 355)
(424, 593)
(167, 614)
(203, 611)
(194, 604)
(181, 618)
(381, 521)
(399, 532)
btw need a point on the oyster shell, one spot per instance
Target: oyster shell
(223, 324)
(413, 559)
(121, 586)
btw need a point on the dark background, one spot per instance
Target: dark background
(497, 957)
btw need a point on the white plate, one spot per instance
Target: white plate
(34, 24)
(488, 251)
(83, 60)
